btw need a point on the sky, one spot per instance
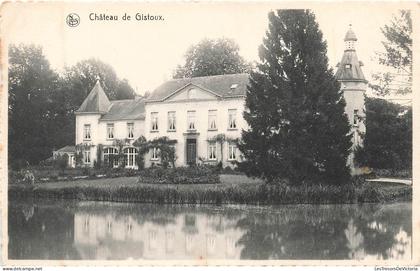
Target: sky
(147, 52)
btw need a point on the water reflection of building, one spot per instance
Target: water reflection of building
(189, 236)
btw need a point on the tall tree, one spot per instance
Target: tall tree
(81, 78)
(31, 107)
(212, 57)
(295, 110)
(397, 58)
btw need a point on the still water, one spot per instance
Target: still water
(114, 231)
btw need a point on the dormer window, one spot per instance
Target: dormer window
(348, 66)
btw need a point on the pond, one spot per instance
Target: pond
(70, 230)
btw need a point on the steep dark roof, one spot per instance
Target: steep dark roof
(96, 101)
(67, 149)
(125, 110)
(218, 84)
(352, 72)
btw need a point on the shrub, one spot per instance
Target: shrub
(180, 175)
(27, 176)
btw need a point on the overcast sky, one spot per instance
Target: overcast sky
(146, 53)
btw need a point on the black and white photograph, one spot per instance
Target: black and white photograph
(207, 133)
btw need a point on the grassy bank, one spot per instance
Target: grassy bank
(232, 189)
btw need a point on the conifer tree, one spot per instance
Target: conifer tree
(298, 130)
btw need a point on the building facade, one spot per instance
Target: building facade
(195, 112)
(353, 84)
(202, 115)
(105, 128)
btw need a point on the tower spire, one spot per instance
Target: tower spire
(350, 39)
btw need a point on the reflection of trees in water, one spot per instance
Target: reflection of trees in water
(380, 225)
(40, 233)
(324, 232)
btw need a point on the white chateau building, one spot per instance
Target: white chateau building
(193, 111)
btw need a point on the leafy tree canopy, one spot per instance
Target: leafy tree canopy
(397, 57)
(388, 139)
(212, 57)
(31, 108)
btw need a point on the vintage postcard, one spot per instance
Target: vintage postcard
(210, 133)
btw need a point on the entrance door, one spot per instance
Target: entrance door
(191, 151)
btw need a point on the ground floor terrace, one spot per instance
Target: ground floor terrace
(190, 150)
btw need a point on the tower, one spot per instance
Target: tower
(353, 85)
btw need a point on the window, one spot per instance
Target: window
(110, 156)
(87, 157)
(212, 119)
(189, 243)
(171, 121)
(153, 239)
(155, 154)
(110, 130)
(130, 130)
(233, 86)
(191, 93)
(191, 120)
(232, 118)
(348, 66)
(211, 243)
(212, 151)
(109, 227)
(155, 123)
(130, 156)
(86, 132)
(170, 241)
(232, 151)
(356, 117)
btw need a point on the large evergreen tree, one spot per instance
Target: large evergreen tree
(298, 130)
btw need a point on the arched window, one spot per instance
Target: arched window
(110, 156)
(130, 155)
(191, 93)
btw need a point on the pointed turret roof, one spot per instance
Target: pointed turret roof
(350, 35)
(96, 101)
(349, 69)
